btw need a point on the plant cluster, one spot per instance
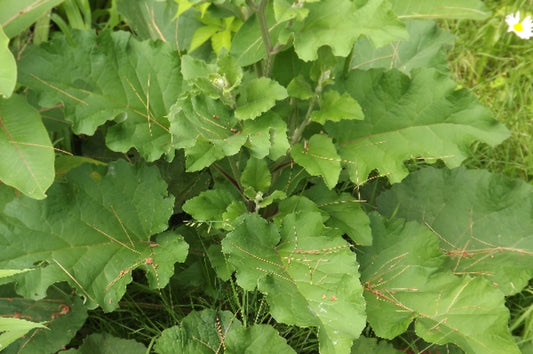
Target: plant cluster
(264, 166)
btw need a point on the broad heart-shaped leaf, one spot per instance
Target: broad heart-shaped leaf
(319, 158)
(336, 107)
(258, 96)
(156, 19)
(62, 313)
(344, 211)
(404, 280)
(452, 9)
(8, 69)
(199, 332)
(92, 231)
(27, 161)
(308, 273)
(423, 48)
(99, 78)
(16, 16)
(339, 23)
(419, 117)
(484, 221)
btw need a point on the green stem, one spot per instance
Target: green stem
(297, 134)
(265, 34)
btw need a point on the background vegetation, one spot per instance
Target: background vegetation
(495, 64)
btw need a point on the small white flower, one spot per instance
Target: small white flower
(522, 29)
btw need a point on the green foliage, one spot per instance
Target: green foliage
(126, 81)
(101, 241)
(247, 206)
(17, 15)
(27, 157)
(483, 220)
(60, 313)
(8, 71)
(107, 344)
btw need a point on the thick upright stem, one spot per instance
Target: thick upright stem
(265, 34)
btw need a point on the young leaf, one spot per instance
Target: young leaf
(452, 9)
(319, 158)
(27, 161)
(199, 332)
(104, 76)
(256, 175)
(344, 212)
(339, 23)
(267, 136)
(285, 11)
(406, 118)
(63, 315)
(8, 69)
(402, 281)
(204, 128)
(483, 221)
(335, 107)
(258, 96)
(308, 274)
(209, 206)
(423, 49)
(100, 240)
(300, 88)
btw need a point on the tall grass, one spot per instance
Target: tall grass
(497, 66)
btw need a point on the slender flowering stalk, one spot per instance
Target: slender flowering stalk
(522, 29)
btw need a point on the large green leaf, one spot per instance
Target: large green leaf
(17, 15)
(27, 161)
(62, 313)
(452, 9)
(484, 221)
(420, 117)
(8, 69)
(109, 77)
(423, 49)
(339, 23)
(308, 273)
(403, 281)
(156, 19)
(92, 231)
